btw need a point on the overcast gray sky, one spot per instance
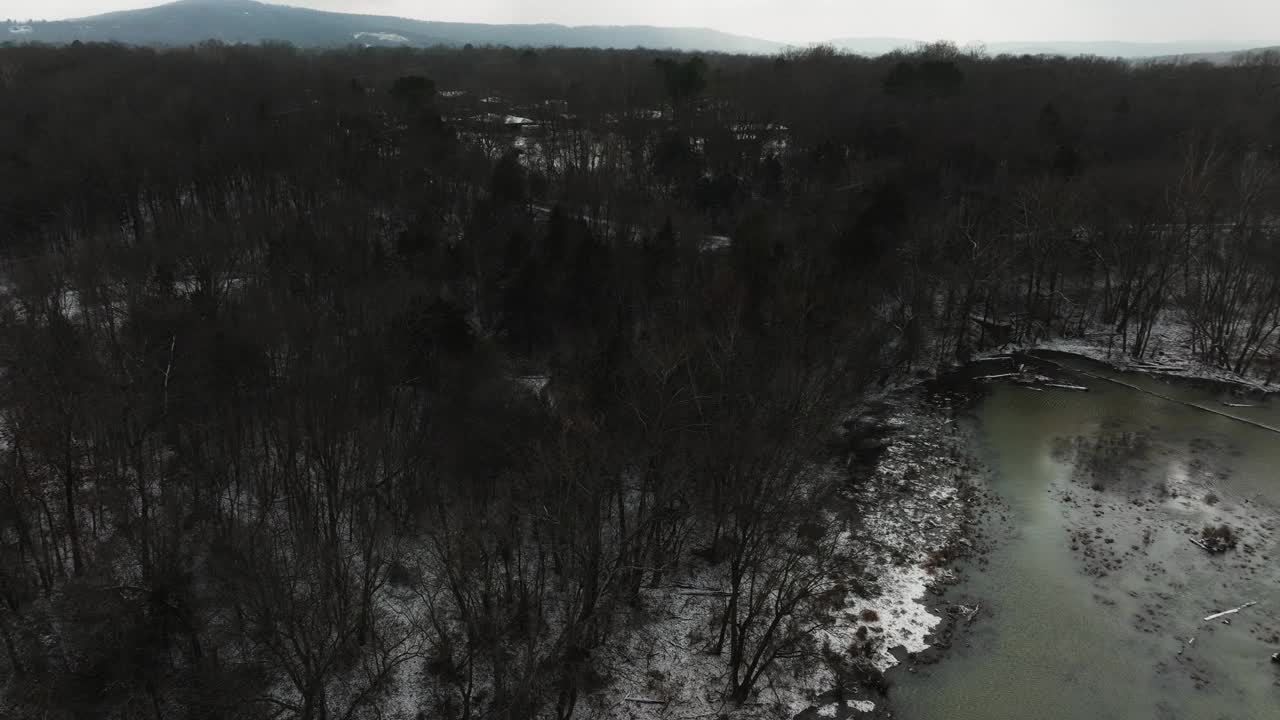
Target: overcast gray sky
(814, 20)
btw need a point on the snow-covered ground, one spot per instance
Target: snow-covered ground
(662, 667)
(715, 243)
(381, 37)
(1169, 352)
(914, 509)
(856, 705)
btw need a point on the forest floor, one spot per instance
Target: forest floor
(908, 504)
(912, 501)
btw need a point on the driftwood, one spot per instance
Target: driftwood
(1064, 386)
(1238, 405)
(1202, 545)
(646, 701)
(693, 591)
(997, 376)
(968, 613)
(1216, 541)
(1152, 393)
(1232, 611)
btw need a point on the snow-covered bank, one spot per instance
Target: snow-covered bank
(1169, 353)
(916, 502)
(902, 516)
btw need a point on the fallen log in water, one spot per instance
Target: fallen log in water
(1232, 611)
(1152, 393)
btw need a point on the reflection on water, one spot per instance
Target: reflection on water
(1096, 591)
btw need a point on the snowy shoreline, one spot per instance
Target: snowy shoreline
(904, 513)
(1169, 355)
(922, 498)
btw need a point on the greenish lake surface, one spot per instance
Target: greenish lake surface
(1074, 627)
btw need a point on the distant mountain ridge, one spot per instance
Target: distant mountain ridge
(1220, 58)
(1108, 49)
(188, 22)
(1113, 48)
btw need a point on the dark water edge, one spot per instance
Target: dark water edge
(1090, 601)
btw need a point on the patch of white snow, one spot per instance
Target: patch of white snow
(381, 36)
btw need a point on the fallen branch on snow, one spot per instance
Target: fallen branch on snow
(1232, 611)
(1206, 548)
(702, 593)
(1159, 367)
(693, 590)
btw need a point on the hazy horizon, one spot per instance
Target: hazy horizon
(1233, 22)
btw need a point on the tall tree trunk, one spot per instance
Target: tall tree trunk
(69, 479)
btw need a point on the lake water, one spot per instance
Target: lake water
(1076, 627)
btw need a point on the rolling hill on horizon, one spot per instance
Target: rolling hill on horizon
(1219, 58)
(188, 22)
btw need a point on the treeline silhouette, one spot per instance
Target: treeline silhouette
(331, 379)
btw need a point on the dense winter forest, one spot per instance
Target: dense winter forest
(335, 378)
